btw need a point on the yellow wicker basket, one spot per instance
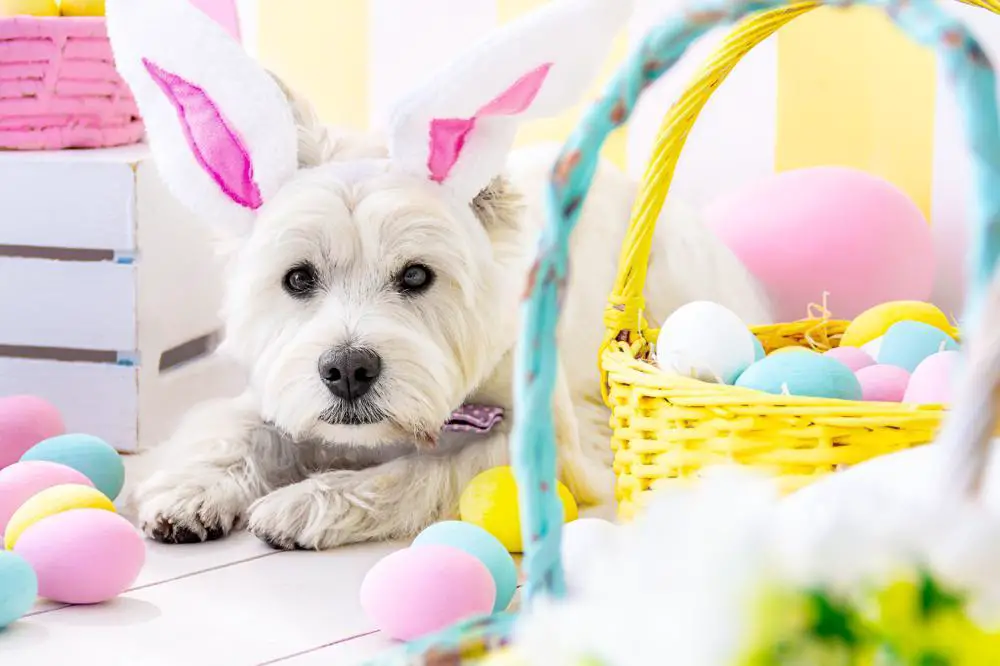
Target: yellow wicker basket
(668, 428)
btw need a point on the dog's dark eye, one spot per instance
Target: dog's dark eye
(415, 278)
(300, 281)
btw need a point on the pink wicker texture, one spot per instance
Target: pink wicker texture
(59, 87)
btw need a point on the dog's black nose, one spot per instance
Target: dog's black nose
(349, 372)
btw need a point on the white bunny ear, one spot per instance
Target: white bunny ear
(220, 129)
(458, 128)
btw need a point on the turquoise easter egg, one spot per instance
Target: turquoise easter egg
(758, 349)
(89, 455)
(482, 545)
(907, 343)
(18, 588)
(808, 375)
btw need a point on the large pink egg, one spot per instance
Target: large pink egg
(829, 229)
(83, 556)
(854, 358)
(883, 383)
(25, 420)
(932, 380)
(417, 591)
(27, 478)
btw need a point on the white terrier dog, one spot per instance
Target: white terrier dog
(373, 288)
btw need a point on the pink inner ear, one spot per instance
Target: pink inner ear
(214, 142)
(448, 135)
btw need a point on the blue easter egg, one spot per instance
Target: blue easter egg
(18, 587)
(808, 375)
(482, 545)
(89, 455)
(907, 343)
(758, 349)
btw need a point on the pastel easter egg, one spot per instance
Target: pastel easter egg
(883, 383)
(907, 343)
(23, 480)
(83, 556)
(854, 358)
(807, 375)
(874, 322)
(25, 420)
(873, 347)
(758, 349)
(18, 588)
(482, 545)
(706, 341)
(50, 502)
(932, 381)
(88, 454)
(490, 501)
(417, 591)
(828, 229)
(582, 540)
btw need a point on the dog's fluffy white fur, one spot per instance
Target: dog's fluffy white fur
(268, 461)
(297, 464)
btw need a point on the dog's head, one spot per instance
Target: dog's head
(366, 296)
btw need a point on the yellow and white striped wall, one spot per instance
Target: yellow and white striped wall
(835, 87)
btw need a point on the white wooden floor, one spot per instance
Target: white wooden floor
(233, 602)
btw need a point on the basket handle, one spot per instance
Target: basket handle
(623, 319)
(533, 444)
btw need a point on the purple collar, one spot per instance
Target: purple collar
(474, 418)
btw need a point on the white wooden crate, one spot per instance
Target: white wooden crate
(109, 294)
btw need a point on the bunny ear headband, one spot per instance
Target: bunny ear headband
(224, 138)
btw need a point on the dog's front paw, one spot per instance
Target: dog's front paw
(188, 508)
(313, 514)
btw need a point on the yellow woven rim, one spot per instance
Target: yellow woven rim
(666, 427)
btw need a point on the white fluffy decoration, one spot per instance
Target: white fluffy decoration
(574, 35)
(582, 541)
(675, 584)
(184, 41)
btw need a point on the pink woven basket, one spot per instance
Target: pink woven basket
(59, 87)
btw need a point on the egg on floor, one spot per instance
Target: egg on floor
(91, 455)
(806, 375)
(931, 383)
(854, 358)
(25, 420)
(50, 502)
(907, 343)
(883, 383)
(83, 556)
(416, 591)
(18, 588)
(23, 480)
(706, 341)
(874, 322)
(482, 545)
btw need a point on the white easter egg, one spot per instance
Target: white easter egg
(707, 341)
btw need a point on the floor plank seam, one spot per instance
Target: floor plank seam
(317, 648)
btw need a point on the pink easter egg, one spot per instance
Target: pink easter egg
(854, 358)
(416, 591)
(25, 420)
(883, 383)
(83, 556)
(29, 477)
(828, 229)
(932, 380)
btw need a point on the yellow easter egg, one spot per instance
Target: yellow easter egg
(508, 656)
(28, 8)
(81, 7)
(490, 501)
(874, 322)
(50, 502)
